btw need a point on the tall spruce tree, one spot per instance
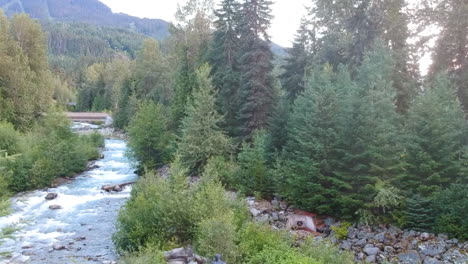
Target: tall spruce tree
(311, 150)
(371, 144)
(201, 136)
(292, 78)
(184, 86)
(436, 139)
(224, 61)
(256, 92)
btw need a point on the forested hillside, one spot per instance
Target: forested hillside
(86, 11)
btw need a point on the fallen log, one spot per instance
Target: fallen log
(116, 188)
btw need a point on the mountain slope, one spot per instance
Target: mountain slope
(87, 11)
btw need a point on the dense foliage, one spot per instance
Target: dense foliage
(36, 142)
(166, 213)
(345, 126)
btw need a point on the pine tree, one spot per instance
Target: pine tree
(296, 63)
(201, 136)
(223, 58)
(436, 139)
(256, 92)
(312, 148)
(253, 177)
(184, 87)
(419, 213)
(371, 143)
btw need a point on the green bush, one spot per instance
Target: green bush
(50, 150)
(149, 137)
(451, 207)
(169, 211)
(341, 232)
(255, 238)
(274, 255)
(326, 252)
(9, 139)
(221, 169)
(149, 255)
(89, 145)
(218, 235)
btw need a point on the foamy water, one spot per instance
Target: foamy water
(87, 212)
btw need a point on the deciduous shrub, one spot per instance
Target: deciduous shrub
(170, 211)
(218, 235)
(341, 232)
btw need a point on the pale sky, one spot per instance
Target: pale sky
(287, 14)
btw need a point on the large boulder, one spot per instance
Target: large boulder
(51, 196)
(432, 249)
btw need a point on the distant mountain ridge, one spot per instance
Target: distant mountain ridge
(86, 11)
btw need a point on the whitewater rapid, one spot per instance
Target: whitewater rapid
(80, 232)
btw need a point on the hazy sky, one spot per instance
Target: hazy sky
(287, 14)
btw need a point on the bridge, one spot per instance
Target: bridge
(90, 117)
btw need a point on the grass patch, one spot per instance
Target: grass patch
(7, 231)
(5, 207)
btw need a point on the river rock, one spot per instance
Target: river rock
(117, 188)
(380, 237)
(429, 260)
(455, 256)
(55, 207)
(51, 196)
(371, 259)
(58, 247)
(425, 236)
(410, 257)
(179, 254)
(432, 249)
(254, 212)
(361, 242)
(389, 250)
(345, 245)
(370, 250)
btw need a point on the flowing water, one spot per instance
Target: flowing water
(80, 232)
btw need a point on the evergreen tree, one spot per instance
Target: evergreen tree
(436, 139)
(253, 177)
(256, 92)
(371, 143)
(223, 58)
(296, 63)
(311, 153)
(201, 136)
(184, 87)
(419, 213)
(127, 105)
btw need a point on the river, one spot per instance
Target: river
(80, 232)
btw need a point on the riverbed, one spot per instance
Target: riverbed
(80, 232)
